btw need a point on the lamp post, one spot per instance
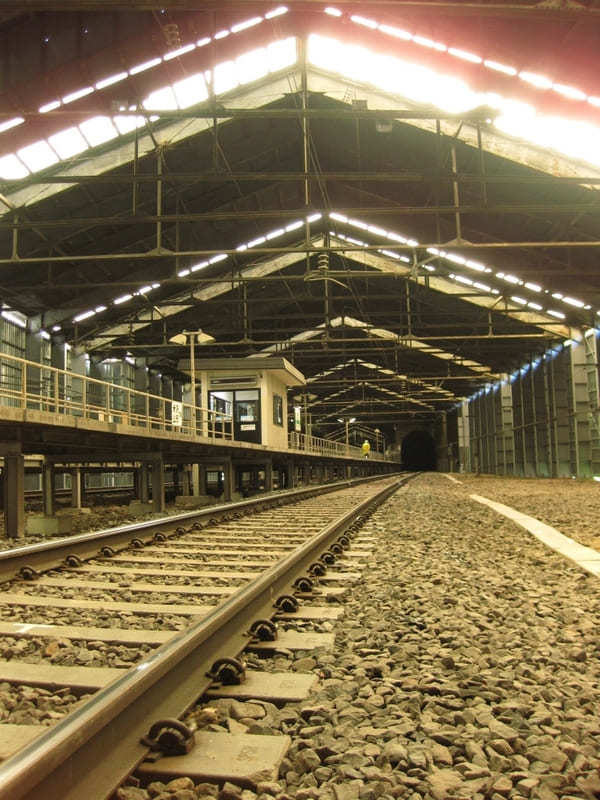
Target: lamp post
(193, 337)
(347, 422)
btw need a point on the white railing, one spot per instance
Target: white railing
(328, 447)
(30, 386)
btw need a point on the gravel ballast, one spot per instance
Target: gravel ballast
(466, 666)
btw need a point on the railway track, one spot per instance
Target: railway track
(117, 634)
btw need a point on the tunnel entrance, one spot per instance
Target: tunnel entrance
(418, 452)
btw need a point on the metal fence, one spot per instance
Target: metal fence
(27, 385)
(328, 447)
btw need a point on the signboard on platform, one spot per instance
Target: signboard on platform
(176, 413)
(297, 419)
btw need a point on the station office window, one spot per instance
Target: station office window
(277, 409)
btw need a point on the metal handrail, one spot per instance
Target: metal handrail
(30, 386)
(328, 447)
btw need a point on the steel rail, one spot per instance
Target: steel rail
(48, 555)
(95, 748)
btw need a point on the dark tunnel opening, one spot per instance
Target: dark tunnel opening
(418, 452)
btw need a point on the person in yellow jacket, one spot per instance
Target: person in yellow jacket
(366, 448)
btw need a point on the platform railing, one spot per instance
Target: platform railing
(328, 447)
(31, 386)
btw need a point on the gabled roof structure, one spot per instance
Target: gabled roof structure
(400, 199)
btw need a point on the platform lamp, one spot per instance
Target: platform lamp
(194, 338)
(377, 435)
(347, 423)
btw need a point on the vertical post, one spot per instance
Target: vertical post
(76, 487)
(143, 482)
(158, 485)
(14, 495)
(193, 376)
(268, 476)
(229, 484)
(48, 488)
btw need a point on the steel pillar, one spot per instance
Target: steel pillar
(14, 496)
(76, 487)
(48, 489)
(158, 485)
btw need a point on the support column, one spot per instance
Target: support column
(229, 483)
(184, 481)
(48, 489)
(158, 485)
(506, 442)
(292, 482)
(144, 495)
(14, 496)
(76, 487)
(199, 479)
(269, 476)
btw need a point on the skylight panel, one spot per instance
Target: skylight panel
(127, 124)
(572, 301)
(162, 99)
(338, 217)
(465, 55)
(276, 12)
(15, 317)
(217, 258)
(539, 81)
(51, 106)
(257, 241)
(535, 306)
(199, 266)
(365, 21)
(38, 155)
(247, 23)
(509, 278)
(294, 226)
(225, 77)
(68, 143)
(181, 51)
(204, 41)
(222, 34)
(533, 287)
(84, 315)
(98, 130)
(520, 300)
(11, 168)
(124, 298)
(282, 54)
(98, 310)
(274, 234)
(425, 42)
(333, 12)
(183, 273)
(557, 314)
(70, 98)
(252, 66)
(119, 76)
(399, 33)
(11, 123)
(569, 91)
(190, 91)
(314, 217)
(154, 62)
(498, 67)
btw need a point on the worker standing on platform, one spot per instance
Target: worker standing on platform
(366, 448)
